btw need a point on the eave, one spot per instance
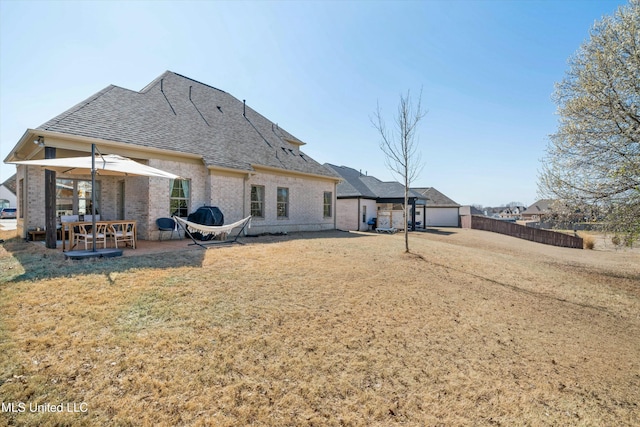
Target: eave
(221, 170)
(288, 172)
(25, 149)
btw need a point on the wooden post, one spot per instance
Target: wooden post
(50, 201)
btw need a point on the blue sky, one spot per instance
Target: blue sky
(486, 68)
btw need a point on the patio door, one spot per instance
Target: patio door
(73, 196)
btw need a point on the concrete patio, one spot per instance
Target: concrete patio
(145, 247)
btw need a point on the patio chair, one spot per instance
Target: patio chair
(124, 232)
(166, 224)
(69, 218)
(64, 228)
(85, 234)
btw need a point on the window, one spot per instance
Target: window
(73, 197)
(364, 213)
(328, 202)
(257, 201)
(283, 202)
(179, 197)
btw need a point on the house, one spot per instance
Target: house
(8, 193)
(439, 210)
(227, 155)
(538, 210)
(512, 212)
(363, 197)
(356, 203)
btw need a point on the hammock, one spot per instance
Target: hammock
(212, 230)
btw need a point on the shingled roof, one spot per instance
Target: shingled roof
(179, 114)
(10, 183)
(542, 206)
(436, 198)
(351, 184)
(355, 184)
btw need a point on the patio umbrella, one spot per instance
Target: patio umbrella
(110, 164)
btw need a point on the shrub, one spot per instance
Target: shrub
(616, 240)
(588, 242)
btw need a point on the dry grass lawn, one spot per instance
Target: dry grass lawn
(325, 329)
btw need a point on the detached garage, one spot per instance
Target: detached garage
(439, 210)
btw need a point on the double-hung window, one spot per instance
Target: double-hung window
(257, 201)
(328, 204)
(179, 197)
(283, 202)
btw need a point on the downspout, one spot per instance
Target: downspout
(244, 196)
(358, 217)
(335, 205)
(23, 214)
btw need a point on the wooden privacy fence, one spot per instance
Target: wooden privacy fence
(547, 237)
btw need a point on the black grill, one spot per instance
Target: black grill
(206, 215)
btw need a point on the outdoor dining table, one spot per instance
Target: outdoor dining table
(68, 229)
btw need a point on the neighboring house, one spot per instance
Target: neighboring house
(492, 212)
(363, 197)
(512, 212)
(227, 154)
(8, 193)
(538, 210)
(356, 204)
(439, 210)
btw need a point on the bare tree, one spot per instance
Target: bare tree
(400, 146)
(593, 160)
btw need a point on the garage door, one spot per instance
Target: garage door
(442, 217)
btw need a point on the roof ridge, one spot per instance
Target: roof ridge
(196, 81)
(154, 82)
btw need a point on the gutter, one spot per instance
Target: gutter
(71, 141)
(295, 173)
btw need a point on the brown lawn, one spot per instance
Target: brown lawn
(324, 329)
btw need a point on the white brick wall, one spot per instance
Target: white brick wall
(158, 195)
(228, 193)
(33, 216)
(306, 201)
(347, 212)
(147, 199)
(350, 213)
